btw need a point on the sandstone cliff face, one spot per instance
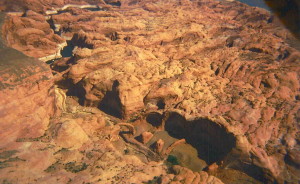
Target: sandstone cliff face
(27, 96)
(218, 76)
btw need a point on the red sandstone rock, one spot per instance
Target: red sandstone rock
(70, 135)
(204, 68)
(146, 136)
(27, 97)
(201, 59)
(32, 35)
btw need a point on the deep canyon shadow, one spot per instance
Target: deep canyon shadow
(111, 102)
(212, 141)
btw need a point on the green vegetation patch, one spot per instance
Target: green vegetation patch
(7, 154)
(172, 160)
(155, 180)
(53, 167)
(75, 168)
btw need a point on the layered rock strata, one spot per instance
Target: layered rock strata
(219, 76)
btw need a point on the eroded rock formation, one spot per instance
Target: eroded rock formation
(32, 35)
(27, 96)
(167, 82)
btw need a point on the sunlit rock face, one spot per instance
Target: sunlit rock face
(32, 35)
(221, 75)
(27, 96)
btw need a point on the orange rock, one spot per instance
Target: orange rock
(213, 167)
(31, 34)
(146, 136)
(200, 59)
(159, 145)
(70, 135)
(26, 95)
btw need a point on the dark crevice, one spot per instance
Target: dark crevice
(270, 20)
(265, 84)
(229, 44)
(75, 90)
(68, 50)
(63, 63)
(111, 102)
(154, 118)
(113, 36)
(227, 67)
(113, 3)
(50, 62)
(283, 55)
(52, 26)
(257, 50)
(127, 39)
(217, 71)
(161, 104)
(158, 102)
(289, 160)
(81, 42)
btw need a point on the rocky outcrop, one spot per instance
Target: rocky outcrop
(32, 35)
(70, 135)
(187, 79)
(27, 96)
(32, 28)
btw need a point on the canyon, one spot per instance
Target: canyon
(152, 91)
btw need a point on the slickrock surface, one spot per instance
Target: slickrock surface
(26, 94)
(32, 35)
(29, 29)
(181, 82)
